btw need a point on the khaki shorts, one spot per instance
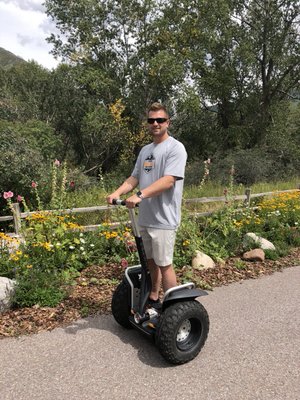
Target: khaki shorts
(159, 244)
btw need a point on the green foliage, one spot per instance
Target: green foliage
(20, 160)
(271, 254)
(195, 127)
(227, 88)
(188, 240)
(38, 288)
(240, 264)
(27, 84)
(276, 219)
(67, 103)
(53, 251)
(25, 158)
(251, 166)
(221, 238)
(42, 137)
(114, 245)
(221, 234)
(102, 132)
(55, 247)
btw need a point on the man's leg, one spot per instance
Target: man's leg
(166, 275)
(155, 279)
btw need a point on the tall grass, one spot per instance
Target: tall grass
(216, 189)
(96, 195)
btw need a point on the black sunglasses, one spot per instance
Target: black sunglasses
(158, 120)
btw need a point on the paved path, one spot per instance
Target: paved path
(252, 352)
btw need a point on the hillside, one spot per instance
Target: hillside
(8, 59)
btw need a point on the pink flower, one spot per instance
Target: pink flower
(131, 246)
(33, 184)
(124, 263)
(57, 163)
(72, 184)
(8, 195)
(19, 198)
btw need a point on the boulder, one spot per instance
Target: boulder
(254, 255)
(7, 288)
(262, 243)
(202, 261)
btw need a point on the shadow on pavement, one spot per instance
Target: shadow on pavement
(146, 349)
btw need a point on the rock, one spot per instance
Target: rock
(202, 261)
(264, 244)
(254, 255)
(7, 288)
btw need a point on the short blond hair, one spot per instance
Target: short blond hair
(158, 107)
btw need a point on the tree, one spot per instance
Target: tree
(242, 56)
(115, 43)
(67, 104)
(24, 150)
(24, 89)
(112, 46)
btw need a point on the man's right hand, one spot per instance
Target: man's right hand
(111, 197)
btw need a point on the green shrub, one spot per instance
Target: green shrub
(39, 287)
(25, 153)
(271, 254)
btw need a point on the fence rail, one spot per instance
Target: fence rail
(18, 215)
(246, 197)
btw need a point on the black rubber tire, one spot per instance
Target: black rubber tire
(120, 304)
(182, 331)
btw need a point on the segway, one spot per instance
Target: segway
(179, 327)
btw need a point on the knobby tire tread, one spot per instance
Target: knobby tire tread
(170, 321)
(120, 305)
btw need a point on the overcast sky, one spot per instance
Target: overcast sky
(24, 27)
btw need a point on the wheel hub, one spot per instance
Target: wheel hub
(184, 331)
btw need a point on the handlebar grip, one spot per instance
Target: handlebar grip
(119, 202)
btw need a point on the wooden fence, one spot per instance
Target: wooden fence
(246, 198)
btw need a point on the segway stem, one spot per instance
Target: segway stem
(146, 283)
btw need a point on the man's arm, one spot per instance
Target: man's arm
(157, 187)
(127, 186)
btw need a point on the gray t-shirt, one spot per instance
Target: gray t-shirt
(154, 162)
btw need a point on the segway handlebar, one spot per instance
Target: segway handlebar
(119, 202)
(134, 225)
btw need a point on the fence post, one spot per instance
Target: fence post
(17, 217)
(248, 197)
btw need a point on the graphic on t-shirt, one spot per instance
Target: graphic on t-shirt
(149, 163)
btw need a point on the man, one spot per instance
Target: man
(159, 172)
